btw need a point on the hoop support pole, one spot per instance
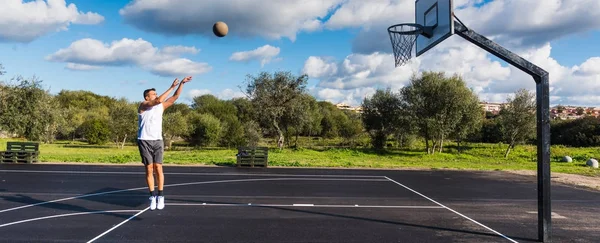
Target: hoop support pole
(541, 78)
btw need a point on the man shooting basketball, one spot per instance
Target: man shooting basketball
(150, 140)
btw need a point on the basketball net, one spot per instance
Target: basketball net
(403, 37)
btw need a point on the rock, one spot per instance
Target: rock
(592, 162)
(567, 159)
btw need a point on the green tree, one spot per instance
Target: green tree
(470, 121)
(28, 110)
(123, 121)
(351, 126)
(182, 109)
(381, 116)
(96, 130)
(205, 129)
(175, 124)
(274, 94)
(328, 125)
(233, 132)
(517, 119)
(72, 118)
(252, 133)
(437, 104)
(244, 109)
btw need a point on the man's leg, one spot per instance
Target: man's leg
(147, 160)
(158, 160)
(150, 178)
(160, 177)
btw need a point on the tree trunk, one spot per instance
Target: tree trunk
(458, 145)
(441, 143)
(171, 142)
(508, 150)
(124, 139)
(281, 139)
(296, 142)
(427, 141)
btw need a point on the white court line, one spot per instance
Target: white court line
(182, 173)
(299, 205)
(111, 229)
(65, 215)
(498, 233)
(187, 184)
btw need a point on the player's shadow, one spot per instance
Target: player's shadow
(115, 196)
(361, 218)
(60, 205)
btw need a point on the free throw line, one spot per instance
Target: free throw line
(300, 205)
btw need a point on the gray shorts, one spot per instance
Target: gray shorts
(151, 151)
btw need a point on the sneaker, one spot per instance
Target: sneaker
(161, 202)
(152, 202)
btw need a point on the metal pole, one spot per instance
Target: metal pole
(541, 78)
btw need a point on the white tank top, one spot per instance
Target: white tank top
(150, 123)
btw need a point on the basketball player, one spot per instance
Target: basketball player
(150, 140)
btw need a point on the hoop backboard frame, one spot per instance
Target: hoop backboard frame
(440, 29)
(437, 15)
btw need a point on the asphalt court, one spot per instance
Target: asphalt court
(88, 203)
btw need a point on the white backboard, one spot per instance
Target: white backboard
(436, 13)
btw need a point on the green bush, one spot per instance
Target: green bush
(96, 131)
(206, 130)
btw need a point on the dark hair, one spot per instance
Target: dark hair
(148, 91)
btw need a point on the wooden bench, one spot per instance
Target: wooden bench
(20, 152)
(253, 156)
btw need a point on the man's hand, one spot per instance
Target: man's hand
(175, 83)
(186, 79)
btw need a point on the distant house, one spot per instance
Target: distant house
(494, 108)
(344, 106)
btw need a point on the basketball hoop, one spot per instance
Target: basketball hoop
(403, 37)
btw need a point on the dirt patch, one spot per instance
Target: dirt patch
(570, 179)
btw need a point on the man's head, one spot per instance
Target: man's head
(150, 94)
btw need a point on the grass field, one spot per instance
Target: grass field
(474, 157)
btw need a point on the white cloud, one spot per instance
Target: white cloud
(524, 23)
(180, 67)
(317, 67)
(197, 92)
(178, 50)
(589, 67)
(368, 14)
(515, 24)
(357, 70)
(228, 94)
(492, 80)
(164, 62)
(264, 54)
(81, 67)
(25, 21)
(245, 18)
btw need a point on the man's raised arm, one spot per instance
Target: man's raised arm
(175, 96)
(164, 95)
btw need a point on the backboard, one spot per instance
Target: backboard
(437, 14)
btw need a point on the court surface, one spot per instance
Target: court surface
(91, 203)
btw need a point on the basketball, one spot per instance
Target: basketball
(220, 29)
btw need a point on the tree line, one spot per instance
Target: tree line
(433, 107)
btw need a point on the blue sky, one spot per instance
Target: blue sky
(342, 45)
